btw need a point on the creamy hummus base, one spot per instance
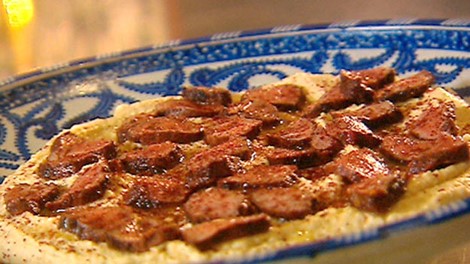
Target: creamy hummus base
(27, 238)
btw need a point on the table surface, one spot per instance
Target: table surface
(43, 33)
(36, 34)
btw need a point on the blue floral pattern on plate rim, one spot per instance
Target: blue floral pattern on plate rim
(37, 105)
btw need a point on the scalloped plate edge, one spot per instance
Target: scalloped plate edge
(44, 72)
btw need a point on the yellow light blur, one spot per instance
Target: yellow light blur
(19, 12)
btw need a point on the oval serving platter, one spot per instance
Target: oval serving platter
(37, 105)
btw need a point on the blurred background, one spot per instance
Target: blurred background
(41, 33)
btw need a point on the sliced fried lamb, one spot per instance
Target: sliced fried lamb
(257, 109)
(373, 186)
(377, 194)
(206, 167)
(445, 151)
(120, 227)
(422, 155)
(425, 154)
(214, 203)
(302, 158)
(350, 130)
(186, 108)
(152, 192)
(208, 234)
(88, 187)
(434, 121)
(320, 153)
(334, 99)
(152, 159)
(287, 203)
(147, 130)
(403, 148)
(284, 97)
(374, 78)
(29, 197)
(296, 135)
(353, 87)
(262, 176)
(207, 96)
(361, 164)
(407, 88)
(316, 173)
(94, 223)
(222, 129)
(324, 145)
(149, 233)
(376, 114)
(69, 153)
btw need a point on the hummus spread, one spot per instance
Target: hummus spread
(33, 238)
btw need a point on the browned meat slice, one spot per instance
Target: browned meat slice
(402, 148)
(236, 147)
(186, 108)
(444, 151)
(95, 223)
(322, 147)
(153, 159)
(257, 109)
(423, 155)
(151, 192)
(376, 194)
(69, 153)
(147, 130)
(316, 173)
(359, 165)
(376, 114)
(374, 78)
(206, 95)
(261, 177)
(302, 158)
(149, 233)
(222, 129)
(373, 185)
(284, 97)
(354, 89)
(29, 197)
(88, 187)
(208, 234)
(407, 88)
(120, 227)
(350, 130)
(334, 99)
(296, 135)
(206, 167)
(287, 203)
(313, 145)
(325, 145)
(216, 203)
(434, 121)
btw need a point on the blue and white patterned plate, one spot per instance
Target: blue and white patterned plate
(37, 105)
